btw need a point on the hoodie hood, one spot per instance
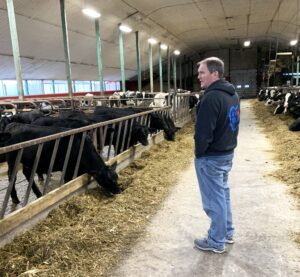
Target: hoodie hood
(221, 85)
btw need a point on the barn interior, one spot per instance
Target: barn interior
(197, 28)
(138, 211)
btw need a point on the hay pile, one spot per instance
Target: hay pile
(286, 145)
(87, 235)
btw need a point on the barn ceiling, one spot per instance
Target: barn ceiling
(192, 26)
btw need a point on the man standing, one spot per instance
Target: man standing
(216, 130)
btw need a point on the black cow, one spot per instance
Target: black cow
(90, 162)
(157, 120)
(295, 126)
(71, 123)
(26, 117)
(139, 133)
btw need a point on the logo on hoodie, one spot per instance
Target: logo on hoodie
(234, 117)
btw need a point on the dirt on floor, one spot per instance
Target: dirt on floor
(89, 233)
(286, 146)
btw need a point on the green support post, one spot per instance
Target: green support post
(121, 47)
(66, 47)
(150, 67)
(98, 48)
(138, 60)
(160, 69)
(169, 76)
(15, 46)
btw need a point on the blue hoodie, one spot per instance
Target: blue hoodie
(218, 118)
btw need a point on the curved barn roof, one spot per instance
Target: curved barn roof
(192, 26)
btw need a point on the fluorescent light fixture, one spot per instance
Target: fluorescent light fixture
(247, 86)
(284, 53)
(273, 61)
(91, 13)
(152, 40)
(176, 52)
(239, 86)
(163, 47)
(125, 28)
(293, 42)
(247, 43)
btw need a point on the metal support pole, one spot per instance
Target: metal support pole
(121, 48)
(180, 75)
(66, 47)
(184, 72)
(53, 86)
(15, 46)
(174, 73)
(98, 47)
(138, 60)
(297, 78)
(150, 67)
(169, 70)
(160, 69)
(292, 77)
(26, 90)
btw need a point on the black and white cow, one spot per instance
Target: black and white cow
(90, 162)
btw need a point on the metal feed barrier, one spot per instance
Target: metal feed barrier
(98, 132)
(15, 219)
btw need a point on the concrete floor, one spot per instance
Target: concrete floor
(264, 216)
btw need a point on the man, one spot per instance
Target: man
(216, 130)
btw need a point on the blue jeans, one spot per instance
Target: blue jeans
(212, 174)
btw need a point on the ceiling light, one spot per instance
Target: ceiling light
(176, 52)
(247, 43)
(91, 13)
(284, 53)
(152, 40)
(125, 28)
(293, 42)
(163, 46)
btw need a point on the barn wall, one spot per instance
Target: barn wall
(240, 68)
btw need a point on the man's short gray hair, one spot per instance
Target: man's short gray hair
(213, 64)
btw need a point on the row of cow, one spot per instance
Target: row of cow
(284, 101)
(28, 126)
(146, 99)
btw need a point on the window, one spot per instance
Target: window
(111, 85)
(34, 87)
(10, 87)
(61, 86)
(48, 86)
(82, 86)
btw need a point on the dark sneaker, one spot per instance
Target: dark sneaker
(229, 240)
(202, 244)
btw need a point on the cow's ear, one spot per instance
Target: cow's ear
(114, 166)
(4, 137)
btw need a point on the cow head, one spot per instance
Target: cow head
(108, 178)
(140, 134)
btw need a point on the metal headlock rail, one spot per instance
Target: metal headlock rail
(12, 223)
(98, 130)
